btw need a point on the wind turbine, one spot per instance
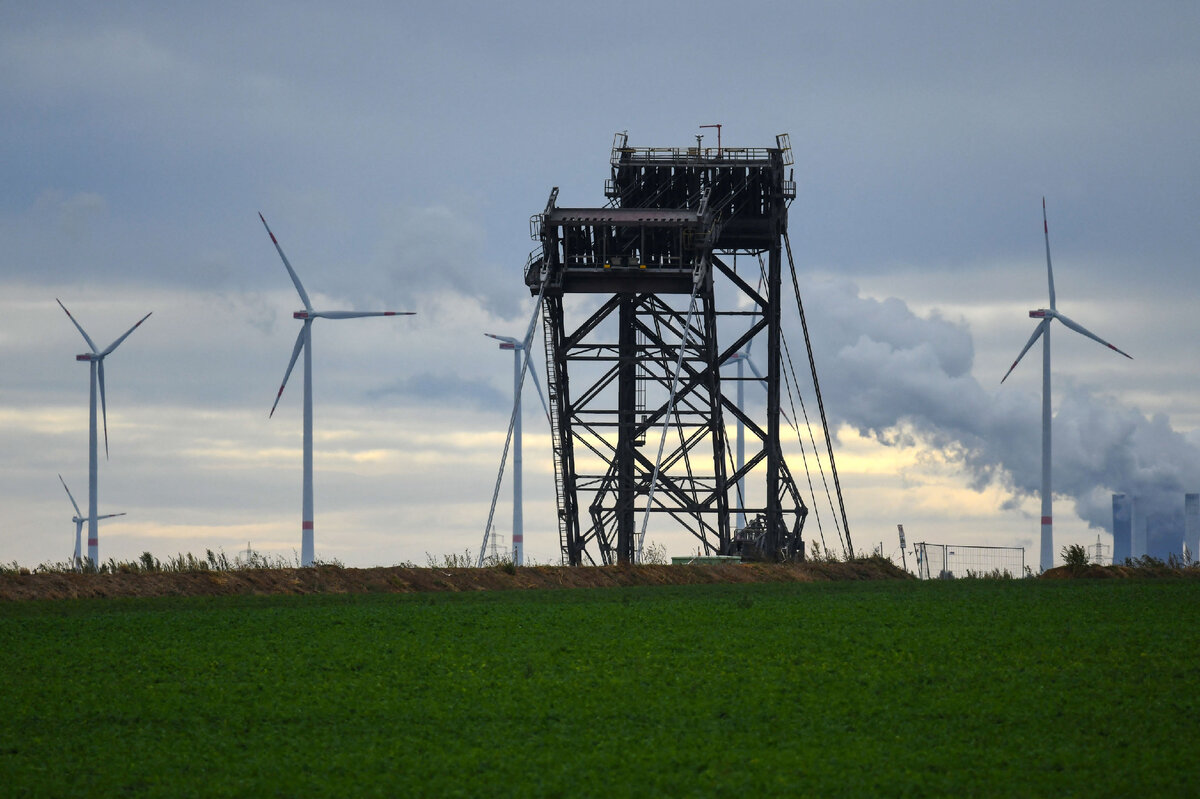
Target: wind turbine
(96, 359)
(79, 520)
(1043, 329)
(517, 347)
(742, 359)
(304, 342)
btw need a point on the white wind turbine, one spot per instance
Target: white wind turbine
(1046, 560)
(518, 533)
(304, 341)
(742, 359)
(79, 520)
(96, 359)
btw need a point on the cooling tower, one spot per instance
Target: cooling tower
(1137, 524)
(1122, 541)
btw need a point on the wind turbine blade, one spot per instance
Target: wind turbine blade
(763, 382)
(754, 369)
(1049, 269)
(103, 404)
(357, 314)
(762, 276)
(1041, 328)
(538, 386)
(291, 272)
(73, 502)
(504, 339)
(117, 343)
(78, 327)
(109, 516)
(1078, 328)
(288, 373)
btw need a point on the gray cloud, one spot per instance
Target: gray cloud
(447, 390)
(436, 249)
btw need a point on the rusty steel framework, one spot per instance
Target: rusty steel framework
(659, 265)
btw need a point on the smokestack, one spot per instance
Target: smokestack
(1191, 524)
(1137, 524)
(1122, 541)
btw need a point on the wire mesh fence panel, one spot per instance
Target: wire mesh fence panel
(948, 561)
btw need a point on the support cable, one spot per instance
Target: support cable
(804, 454)
(817, 388)
(793, 380)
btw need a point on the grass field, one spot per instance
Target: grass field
(889, 688)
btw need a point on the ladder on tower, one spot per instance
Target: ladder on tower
(555, 439)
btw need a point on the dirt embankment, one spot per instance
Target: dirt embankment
(1093, 571)
(402, 580)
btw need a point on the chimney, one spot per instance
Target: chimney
(1122, 542)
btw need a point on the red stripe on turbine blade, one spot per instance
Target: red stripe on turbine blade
(306, 526)
(268, 227)
(1046, 520)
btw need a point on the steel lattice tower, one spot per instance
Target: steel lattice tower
(657, 268)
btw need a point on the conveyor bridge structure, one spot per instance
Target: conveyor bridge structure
(690, 242)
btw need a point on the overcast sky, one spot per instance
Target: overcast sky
(398, 155)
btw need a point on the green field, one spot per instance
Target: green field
(967, 687)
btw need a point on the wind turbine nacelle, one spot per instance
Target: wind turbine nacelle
(1041, 313)
(507, 345)
(300, 315)
(87, 356)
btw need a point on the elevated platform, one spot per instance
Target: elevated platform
(669, 210)
(621, 249)
(748, 188)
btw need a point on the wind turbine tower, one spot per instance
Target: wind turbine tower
(1046, 315)
(742, 359)
(518, 530)
(96, 360)
(79, 520)
(304, 342)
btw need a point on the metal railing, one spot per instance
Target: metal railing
(683, 155)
